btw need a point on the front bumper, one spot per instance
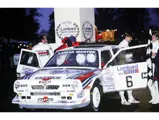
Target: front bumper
(57, 105)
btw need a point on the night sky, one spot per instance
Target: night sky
(44, 20)
(47, 10)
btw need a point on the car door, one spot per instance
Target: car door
(107, 77)
(129, 68)
(28, 62)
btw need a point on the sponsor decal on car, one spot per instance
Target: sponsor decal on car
(45, 99)
(23, 85)
(26, 70)
(45, 78)
(44, 82)
(129, 69)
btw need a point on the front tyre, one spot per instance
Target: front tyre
(95, 97)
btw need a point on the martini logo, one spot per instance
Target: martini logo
(45, 78)
(45, 99)
(87, 29)
(67, 29)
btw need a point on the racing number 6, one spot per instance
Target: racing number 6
(129, 82)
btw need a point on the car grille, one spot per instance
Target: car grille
(37, 87)
(48, 87)
(45, 93)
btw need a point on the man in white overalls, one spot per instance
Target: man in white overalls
(44, 50)
(153, 47)
(125, 44)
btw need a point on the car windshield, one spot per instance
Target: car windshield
(79, 58)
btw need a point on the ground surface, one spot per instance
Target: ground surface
(109, 103)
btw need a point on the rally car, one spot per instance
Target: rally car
(78, 76)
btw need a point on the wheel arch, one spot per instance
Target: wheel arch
(95, 81)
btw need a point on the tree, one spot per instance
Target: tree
(32, 25)
(136, 18)
(51, 32)
(43, 32)
(106, 18)
(137, 21)
(19, 23)
(154, 18)
(123, 19)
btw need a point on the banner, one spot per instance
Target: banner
(108, 35)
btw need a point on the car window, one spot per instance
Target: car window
(29, 59)
(79, 58)
(105, 57)
(130, 56)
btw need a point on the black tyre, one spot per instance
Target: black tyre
(95, 97)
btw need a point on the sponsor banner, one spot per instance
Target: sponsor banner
(67, 29)
(87, 30)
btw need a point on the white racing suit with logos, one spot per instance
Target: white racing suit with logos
(131, 99)
(152, 64)
(45, 52)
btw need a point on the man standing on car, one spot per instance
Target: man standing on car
(44, 50)
(125, 44)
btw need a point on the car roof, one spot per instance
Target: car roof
(91, 47)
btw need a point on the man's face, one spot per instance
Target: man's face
(154, 38)
(129, 39)
(44, 40)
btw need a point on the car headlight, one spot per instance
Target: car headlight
(17, 85)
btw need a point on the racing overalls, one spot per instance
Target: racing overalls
(123, 44)
(153, 83)
(131, 99)
(44, 51)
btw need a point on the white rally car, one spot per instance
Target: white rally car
(78, 76)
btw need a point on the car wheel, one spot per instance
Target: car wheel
(95, 97)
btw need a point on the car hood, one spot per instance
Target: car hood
(62, 73)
